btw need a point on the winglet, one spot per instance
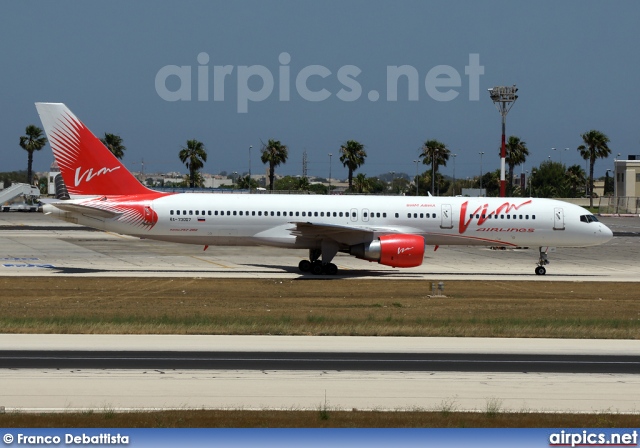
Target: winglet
(86, 165)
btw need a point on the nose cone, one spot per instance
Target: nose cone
(605, 234)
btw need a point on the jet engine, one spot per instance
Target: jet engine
(398, 251)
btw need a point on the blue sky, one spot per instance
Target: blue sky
(574, 62)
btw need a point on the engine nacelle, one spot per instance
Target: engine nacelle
(398, 251)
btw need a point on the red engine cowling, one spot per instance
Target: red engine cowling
(398, 251)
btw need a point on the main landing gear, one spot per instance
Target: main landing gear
(542, 262)
(316, 266)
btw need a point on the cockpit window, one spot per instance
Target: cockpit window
(588, 218)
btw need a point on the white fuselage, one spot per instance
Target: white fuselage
(265, 219)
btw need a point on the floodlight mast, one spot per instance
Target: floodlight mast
(503, 97)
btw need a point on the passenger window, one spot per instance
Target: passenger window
(177, 212)
(209, 212)
(335, 214)
(235, 213)
(364, 214)
(297, 213)
(228, 213)
(533, 216)
(408, 215)
(397, 215)
(304, 213)
(434, 215)
(508, 216)
(240, 212)
(341, 214)
(322, 214)
(272, 214)
(422, 215)
(253, 213)
(315, 213)
(190, 212)
(520, 216)
(171, 212)
(384, 215)
(215, 212)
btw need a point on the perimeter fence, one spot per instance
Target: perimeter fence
(621, 205)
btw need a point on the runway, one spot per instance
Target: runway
(355, 362)
(34, 245)
(107, 385)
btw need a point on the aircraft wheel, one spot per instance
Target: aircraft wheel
(540, 270)
(316, 268)
(331, 269)
(304, 266)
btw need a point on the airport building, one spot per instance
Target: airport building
(627, 176)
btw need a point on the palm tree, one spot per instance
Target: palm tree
(362, 183)
(303, 184)
(595, 147)
(274, 153)
(33, 141)
(353, 155)
(193, 156)
(576, 178)
(246, 183)
(517, 153)
(434, 153)
(114, 144)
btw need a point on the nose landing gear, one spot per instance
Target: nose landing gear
(542, 262)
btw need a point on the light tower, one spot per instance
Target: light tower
(250, 146)
(454, 173)
(503, 97)
(330, 155)
(481, 154)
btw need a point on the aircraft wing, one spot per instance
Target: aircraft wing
(86, 210)
(342, 234)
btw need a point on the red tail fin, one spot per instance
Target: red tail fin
(87, 166)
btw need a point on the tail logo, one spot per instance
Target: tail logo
(89, 174)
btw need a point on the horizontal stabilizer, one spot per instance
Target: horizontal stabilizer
(86, 210)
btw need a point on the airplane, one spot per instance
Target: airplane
(389, 230)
